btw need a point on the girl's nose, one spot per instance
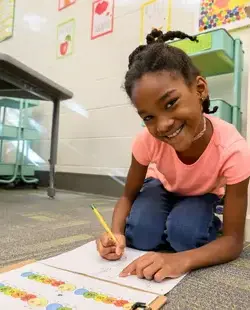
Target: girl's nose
(164, 125)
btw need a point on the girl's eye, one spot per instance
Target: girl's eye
(147, 118)
(170, 103)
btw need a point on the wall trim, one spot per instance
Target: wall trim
(87, 183)
(97, 184)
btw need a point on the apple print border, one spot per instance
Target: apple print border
(83, 292)
(65, 6)
(73, 37)
(92, 37)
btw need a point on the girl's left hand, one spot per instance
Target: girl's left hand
(158, 266)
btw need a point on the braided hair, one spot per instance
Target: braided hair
(156, 56)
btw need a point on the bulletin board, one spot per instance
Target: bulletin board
(155, 14)
(228, 14)
(63, 4)
(7, 15)
(102, 18)
(65, 38)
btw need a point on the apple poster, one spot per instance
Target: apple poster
(62, 4)
(102, 18)
(65, 38)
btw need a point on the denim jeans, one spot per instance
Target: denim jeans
(162, 220)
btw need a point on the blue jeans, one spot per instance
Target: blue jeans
(162, 220)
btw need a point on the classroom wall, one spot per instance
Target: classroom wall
(95, 137)
(100, 110)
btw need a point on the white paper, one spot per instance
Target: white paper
(38, 286)
(86, 260)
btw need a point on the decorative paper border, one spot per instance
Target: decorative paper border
(93, 19)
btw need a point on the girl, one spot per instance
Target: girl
(183, 162)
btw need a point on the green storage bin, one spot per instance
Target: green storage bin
(213, 54)
(238, 118)
(30, 134)
(8, 132)
(11, 133)
(9, 170)
(15, 103)
(225, 110)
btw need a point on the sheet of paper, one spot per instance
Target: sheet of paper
(154, 14)
(38, 286)
(86, 260)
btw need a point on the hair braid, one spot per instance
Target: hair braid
(157, 56)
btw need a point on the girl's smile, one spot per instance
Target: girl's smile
(175, 133)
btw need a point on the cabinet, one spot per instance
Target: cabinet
(19, 134)
(218, 53)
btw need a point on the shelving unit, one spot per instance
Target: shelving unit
(218, 53)
(22, 134)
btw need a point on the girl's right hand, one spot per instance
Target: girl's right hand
(108, 249)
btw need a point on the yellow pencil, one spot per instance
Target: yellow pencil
(102, 221)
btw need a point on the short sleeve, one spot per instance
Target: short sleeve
(141, 148)
(236, 163)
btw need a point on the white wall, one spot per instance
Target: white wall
(94, 133)
(99, 139)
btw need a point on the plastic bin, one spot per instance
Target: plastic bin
(213, 54)
(225, 110)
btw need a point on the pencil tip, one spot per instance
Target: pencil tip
(92, 206)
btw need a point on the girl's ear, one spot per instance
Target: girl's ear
(201, 87)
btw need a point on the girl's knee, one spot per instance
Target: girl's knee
(184, 235)
(143, 233)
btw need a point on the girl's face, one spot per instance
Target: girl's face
(170, 109)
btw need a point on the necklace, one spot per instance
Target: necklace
(203, 130)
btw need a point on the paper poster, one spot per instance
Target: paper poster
(37, 286)
(228, 14)
(86, 260)
(65, 38)
(62, 4)
(102, 21)
(155, 14)
(7, 13)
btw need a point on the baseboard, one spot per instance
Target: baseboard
(87, 183)
(96, 184)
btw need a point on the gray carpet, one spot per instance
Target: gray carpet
(33, 226)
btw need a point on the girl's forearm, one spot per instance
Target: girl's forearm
(222, 250)
(120, 214)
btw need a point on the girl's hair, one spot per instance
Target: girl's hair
(157, 56)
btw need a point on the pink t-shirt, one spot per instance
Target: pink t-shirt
(226, 160)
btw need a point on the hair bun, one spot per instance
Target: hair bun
(154, 36)
(150, 39)
(156, 33)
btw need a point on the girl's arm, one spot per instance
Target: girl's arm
(135, 179)
(230, 245)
